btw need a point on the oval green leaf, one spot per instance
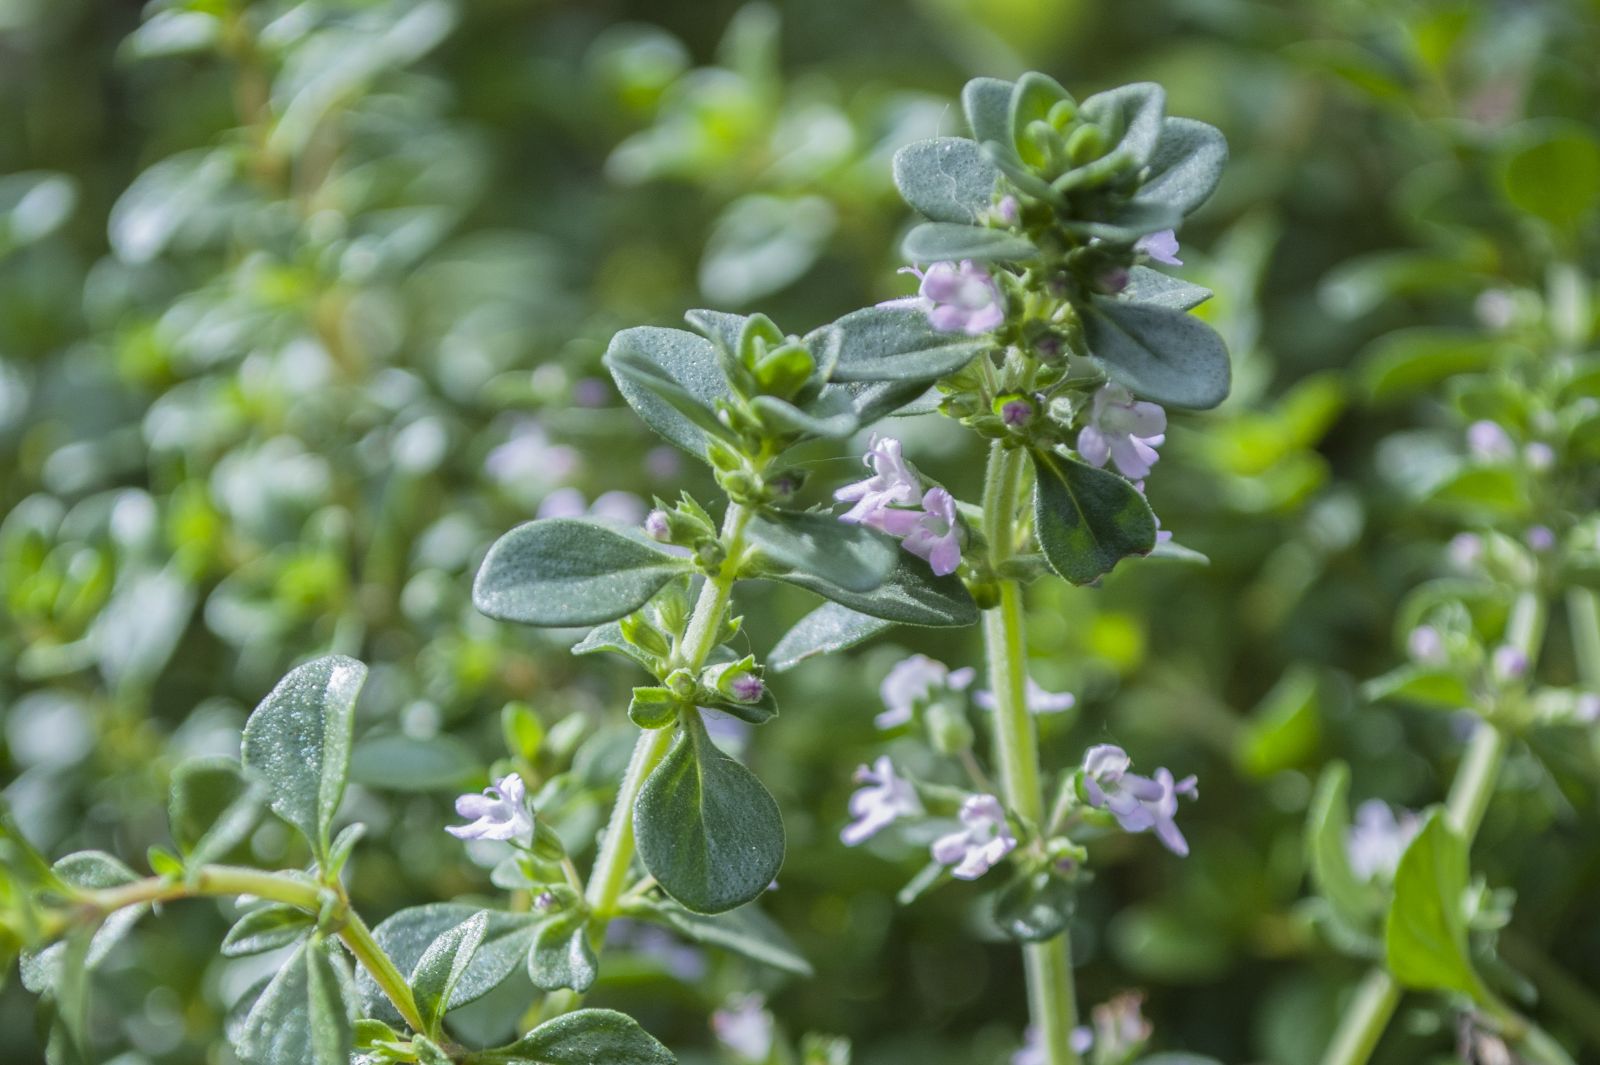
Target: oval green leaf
(561, 572)
(1088, 519)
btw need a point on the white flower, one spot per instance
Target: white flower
(913, 680)
(984, 839)
(1124, 431)
(1037, 700)
(1377, 838)
(500, 812)
(745, 1027)
(883, 798)
(1139, 803)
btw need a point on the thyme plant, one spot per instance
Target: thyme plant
(1037, 323)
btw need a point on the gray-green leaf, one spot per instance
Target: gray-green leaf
(442, 965)
(933, 242)
(405, 936)
(566, 571)
(1162, 354)
(1088, 519)
(899, 344)
(745, 931)
(828, 628)
(561, 955)
(707, 829)
(1186, 165)
(266, 928)
(850, 556)
(298, 743)
(589, 1037)
(1162, 290)
(302, 1017)
(912, 595)
(948, 179)
(212, 807)
(671, 379)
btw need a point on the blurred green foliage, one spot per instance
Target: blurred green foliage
(301, 304)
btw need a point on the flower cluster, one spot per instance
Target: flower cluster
(1139, 803)
(893, 500)
(982, 840)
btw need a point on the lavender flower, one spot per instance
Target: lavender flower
(1587, 709)
(982, 841)
(932, 534)
(745, 1027)
(1161, 246)
(747, 688)
(962, 298)
(914, 680)
(1124, 431)
(1509, 663)
(1466, 550)
(1539, 456)
(529, 457)
(623, 508)
(1378, 838)
(883, 798)
(1037, 700)
(1426, 646)
(1119, 1029)
(657, 527)
(893, 484)
(1489, 441)
(1540, 538)
(1138, 803)
(500, 812)
(1008, 210)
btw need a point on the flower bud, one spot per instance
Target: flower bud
(1509, 664)
(546, 844)
(682, 684)
(657, 527)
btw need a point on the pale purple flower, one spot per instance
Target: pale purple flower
(663, 463)
(747, 688)
(1119, 1029)
(1031, 1052)
(681, 960)
(1377, 838)
(1124, 431)
(621, 508)
(1016, 412)
(1037, 700)
(983, 839)
(962, 298)
(500, 812)
(1540, 538)
(1466, 550)
(1539, 456)
(1426, 645)
(529, 457)
(745, 1027)
(893, 484)
(590, 392)
(1509, 663)
(1138, 803)
(1161, 246)
(657, 527)
(932, 534)
(883, 798)
(1008, 210)
(1587, 709)
(915, 680)
(1489, 441)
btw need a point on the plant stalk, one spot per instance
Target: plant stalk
(609, 877)
(1369, 1013)
(1052, 1001)
(231, 881)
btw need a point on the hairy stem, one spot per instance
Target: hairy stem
(1583, 615)
(230, 881)
(1052, 1002)
(1370, 1011)
(609, 876)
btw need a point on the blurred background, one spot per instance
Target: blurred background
(302, 304)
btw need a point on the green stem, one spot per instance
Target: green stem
(609, 876)
(1583, 614)
(231, 881)
(1372, 1008)
(1052, 1001)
